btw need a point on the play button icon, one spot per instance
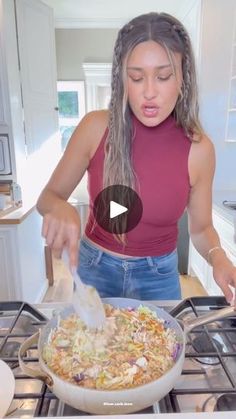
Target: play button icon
(118, 209)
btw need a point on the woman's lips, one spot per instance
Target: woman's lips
(150, 111)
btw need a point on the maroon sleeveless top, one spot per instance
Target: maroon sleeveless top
(160, 160)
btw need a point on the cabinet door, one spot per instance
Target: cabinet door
(197, 266)
(37, 58)
(10, 286)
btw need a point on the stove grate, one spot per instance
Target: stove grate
(19, 320)
(15, 315)
(226, 329)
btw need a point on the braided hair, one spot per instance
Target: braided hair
(169, 32)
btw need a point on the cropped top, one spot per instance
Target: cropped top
(160, 161)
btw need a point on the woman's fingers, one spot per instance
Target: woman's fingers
(61, 230)
(64, 236)
(45, 226)
(73, 245)
(227, 291)
(73, 255)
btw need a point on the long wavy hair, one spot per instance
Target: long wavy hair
(169, 32)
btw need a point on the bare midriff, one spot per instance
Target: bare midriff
(109, 251)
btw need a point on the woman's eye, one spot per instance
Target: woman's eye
(136, 80)
(164, 78)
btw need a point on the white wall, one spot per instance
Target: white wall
(218, 20)
(76, 46)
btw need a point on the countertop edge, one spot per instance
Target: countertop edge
(18, 215)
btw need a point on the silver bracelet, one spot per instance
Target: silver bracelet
(211, 251)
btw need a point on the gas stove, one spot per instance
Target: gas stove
(207, 383)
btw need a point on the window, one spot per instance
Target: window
(71, 104)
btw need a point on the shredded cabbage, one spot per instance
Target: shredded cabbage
(134, 348)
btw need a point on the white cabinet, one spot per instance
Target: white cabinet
(28, 75)
(198, 266)
(28, 98)
(22, 274)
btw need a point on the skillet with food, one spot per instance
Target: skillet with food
(134, 362)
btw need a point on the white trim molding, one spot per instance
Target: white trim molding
(97, 80)
(89, 23)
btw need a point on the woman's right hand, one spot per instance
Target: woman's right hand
(61, 230)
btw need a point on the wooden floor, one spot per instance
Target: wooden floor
(62, 288)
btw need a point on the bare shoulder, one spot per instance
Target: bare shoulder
(201, 159)
(90, 131)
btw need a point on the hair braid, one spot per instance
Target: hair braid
(118, 122)
(188, 94)
(169, 32)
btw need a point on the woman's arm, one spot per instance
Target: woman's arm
(201, 229)
(61, 223)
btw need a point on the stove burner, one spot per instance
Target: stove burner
(232, 322)
(202, 344)
(226, 402)
(10, 349)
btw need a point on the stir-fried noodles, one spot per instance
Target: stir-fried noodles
(134, 348)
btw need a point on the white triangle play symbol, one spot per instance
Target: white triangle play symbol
(116, 209)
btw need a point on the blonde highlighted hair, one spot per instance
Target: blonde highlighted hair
(167, 31)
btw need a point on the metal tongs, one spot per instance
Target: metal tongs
(87, 302)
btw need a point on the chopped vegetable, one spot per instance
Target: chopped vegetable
(133, 348)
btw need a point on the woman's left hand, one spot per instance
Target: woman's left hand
(224, 273)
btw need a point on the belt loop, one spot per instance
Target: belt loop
(150, 261)
(99, 256)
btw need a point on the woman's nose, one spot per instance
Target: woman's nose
(150, 90)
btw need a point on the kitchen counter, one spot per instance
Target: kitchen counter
(228, 214)
(17, 215)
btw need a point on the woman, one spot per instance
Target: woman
(151, 140)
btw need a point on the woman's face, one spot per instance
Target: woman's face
(153, 88)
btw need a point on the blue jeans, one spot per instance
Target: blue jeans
(143, 278)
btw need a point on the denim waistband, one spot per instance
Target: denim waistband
(98, 254)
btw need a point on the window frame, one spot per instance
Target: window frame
(72, 86)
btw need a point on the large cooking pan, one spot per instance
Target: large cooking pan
(115, 401)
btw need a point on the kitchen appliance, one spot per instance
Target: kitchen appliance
(5, 159)
(230, 204)
(207, 382)
(127, 400)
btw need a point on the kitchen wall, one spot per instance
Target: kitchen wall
(76, 46)
(217, 31)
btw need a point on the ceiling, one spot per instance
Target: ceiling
(112, 13)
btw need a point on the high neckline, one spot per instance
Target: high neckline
(167, 123)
